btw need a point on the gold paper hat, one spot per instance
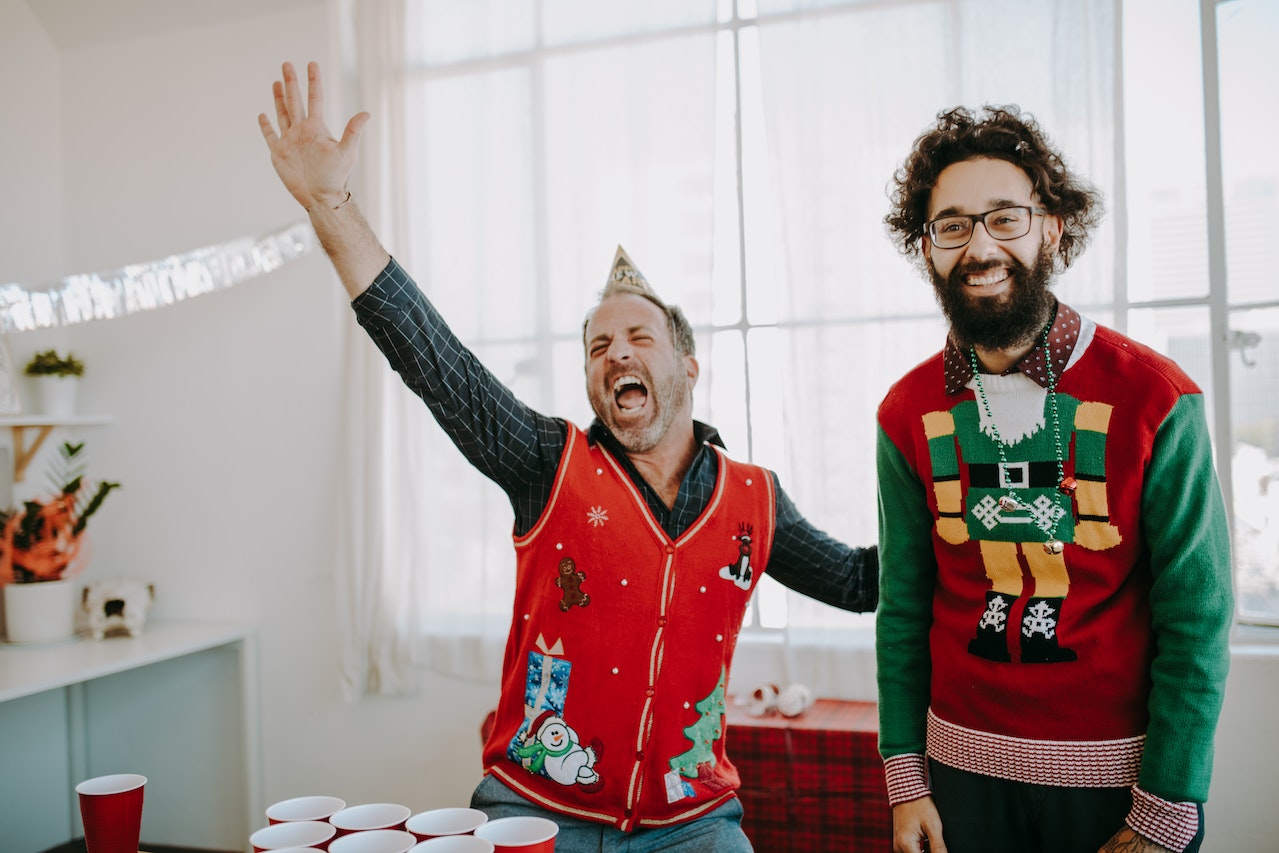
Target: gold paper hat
(626, 276)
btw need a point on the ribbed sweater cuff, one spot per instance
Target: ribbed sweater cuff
(907, 780)
(1164, 822)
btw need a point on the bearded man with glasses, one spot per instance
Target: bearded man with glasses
(1052, 634)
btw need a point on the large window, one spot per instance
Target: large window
(740, 151)
(1202, 186)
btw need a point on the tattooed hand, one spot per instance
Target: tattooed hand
(1127, 841)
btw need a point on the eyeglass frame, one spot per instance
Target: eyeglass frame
(974, 218)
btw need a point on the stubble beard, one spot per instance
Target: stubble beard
(664, 399)
(996, 323)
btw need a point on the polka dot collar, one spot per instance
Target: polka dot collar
(1062, 338)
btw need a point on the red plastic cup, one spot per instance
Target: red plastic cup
(454, 844)
(374, 841)
(304, 808)
(370, 816)
(522, 834)
(439, 822)
(111, 808)
(294, 833)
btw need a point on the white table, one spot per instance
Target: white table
(178, 704)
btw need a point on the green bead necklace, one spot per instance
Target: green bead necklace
(1065, 485)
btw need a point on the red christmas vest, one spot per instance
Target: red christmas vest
(616, 667)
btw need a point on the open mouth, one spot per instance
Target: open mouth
(629, 393)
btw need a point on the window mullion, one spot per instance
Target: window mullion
(543, 336)
(1218, 304)
(1120, 187)
(743, 306)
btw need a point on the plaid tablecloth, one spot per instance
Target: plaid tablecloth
(814, 782)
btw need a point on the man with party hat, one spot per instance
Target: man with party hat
(623, 626)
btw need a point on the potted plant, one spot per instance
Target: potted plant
(56, 378)
(42, 545)
(49, 363)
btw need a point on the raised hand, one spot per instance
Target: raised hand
(312, 164)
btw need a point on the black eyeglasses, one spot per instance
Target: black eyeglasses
(1002, 223)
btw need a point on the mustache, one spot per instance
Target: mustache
(968, 268)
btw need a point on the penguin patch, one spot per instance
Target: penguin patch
(739, 571)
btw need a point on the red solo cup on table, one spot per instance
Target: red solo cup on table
(451, 821)
(304, 808)
(111, 809)
(454, 844)
(293, 833)
(374, 841)
(522, 834)
(368, 816)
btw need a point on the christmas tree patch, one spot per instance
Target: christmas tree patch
(698, 761)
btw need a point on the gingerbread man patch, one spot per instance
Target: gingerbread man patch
(570, 580)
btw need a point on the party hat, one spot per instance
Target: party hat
(626, 275)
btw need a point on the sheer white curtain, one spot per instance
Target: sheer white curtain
(741, 157)
(377, 502)
(534, 138)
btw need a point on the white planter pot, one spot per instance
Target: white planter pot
(41, 612)
(57, 395)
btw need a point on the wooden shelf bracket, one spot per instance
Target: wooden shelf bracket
(22, 455)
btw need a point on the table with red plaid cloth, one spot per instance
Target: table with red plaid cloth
(813, 782)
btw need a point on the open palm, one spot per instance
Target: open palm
(313, 165)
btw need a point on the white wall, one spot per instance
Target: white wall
(1241, 814)
(225, 408)
(30, 148)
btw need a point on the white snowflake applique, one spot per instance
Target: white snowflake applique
(597, 516)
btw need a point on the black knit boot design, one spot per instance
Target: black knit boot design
(1039, 640)
(991, 641)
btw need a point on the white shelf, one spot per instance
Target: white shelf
(27, 670)
(35, 420)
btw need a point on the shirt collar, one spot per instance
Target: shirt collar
(1062, 337)
(600, 434)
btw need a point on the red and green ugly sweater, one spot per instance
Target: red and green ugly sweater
(1140, 596)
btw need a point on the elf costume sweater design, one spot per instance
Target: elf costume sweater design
(1102, 665)
(621, 640)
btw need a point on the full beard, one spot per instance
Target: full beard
(997, 323)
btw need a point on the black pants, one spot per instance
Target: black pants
(982, 814)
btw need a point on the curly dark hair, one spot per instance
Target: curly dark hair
(1002, 133)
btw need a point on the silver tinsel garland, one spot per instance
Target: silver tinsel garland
(142, 287)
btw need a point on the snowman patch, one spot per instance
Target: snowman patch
(550, 748)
